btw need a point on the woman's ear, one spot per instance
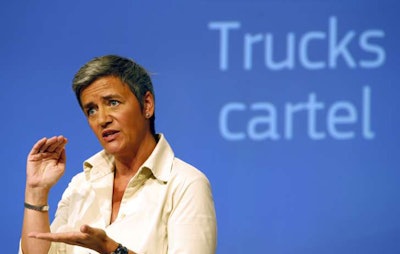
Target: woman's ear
(148, 105)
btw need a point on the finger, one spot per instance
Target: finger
(46, 236)
(45, 147)
(96, 233)
(36, 147)
(58, 145)
(63, 157)
(62, 141)
(87, 229)
(53, 146)
(68, 237)
(72, 238)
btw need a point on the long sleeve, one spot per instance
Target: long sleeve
(192, 225)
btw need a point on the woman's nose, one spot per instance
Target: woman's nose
(104, 117)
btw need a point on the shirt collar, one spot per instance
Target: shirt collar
(159, 162)
(98, 165)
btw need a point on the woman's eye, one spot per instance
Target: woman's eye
(90, 111)
(114, 103)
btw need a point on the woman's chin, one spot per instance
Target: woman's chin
(113, 150)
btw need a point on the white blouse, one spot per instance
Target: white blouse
(167, 206)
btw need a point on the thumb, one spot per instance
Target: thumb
(87, 229)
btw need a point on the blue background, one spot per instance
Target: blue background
(284, 196)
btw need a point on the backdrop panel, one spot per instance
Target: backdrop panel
(289, 107)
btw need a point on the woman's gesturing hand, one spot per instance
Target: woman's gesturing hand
(88, 237)
(46, 162)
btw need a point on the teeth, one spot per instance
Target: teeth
(108, 133)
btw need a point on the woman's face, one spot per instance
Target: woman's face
(115, 116)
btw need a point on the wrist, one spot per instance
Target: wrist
(110, 246)
(120, 250)
(39, 208)
(36, 196)
(113, 247)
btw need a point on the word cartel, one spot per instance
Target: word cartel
(341, 120)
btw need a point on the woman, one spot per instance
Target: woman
(134, 196)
